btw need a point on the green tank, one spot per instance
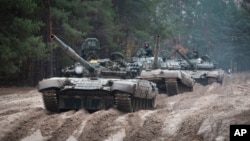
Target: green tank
(93, 92)
(202, 69)
(169, 81)
(114, 66)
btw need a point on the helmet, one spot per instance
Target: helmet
(195, 51)
(146, 45)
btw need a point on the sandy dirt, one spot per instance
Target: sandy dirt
(204, 114)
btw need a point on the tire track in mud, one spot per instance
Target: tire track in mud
(132, 126)
(184, 100)
(185, 124)
(24, 125)
(204, 114)
(50, 126)
(98, 126)
(21, 101)
(33, 120)
(199, 105)
(68, 124)
(149, 126)
(180, 126)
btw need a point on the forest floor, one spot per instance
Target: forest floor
(204, 114)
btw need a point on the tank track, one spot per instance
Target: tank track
(211, 80)
(125, 103)
(183, 88)
(172, 87)
(50, 100)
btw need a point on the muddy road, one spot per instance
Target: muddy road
(204, 114)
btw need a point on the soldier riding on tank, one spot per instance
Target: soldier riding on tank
(148, 50)
(195, 54)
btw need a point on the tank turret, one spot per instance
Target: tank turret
(67, 49)
(113, 67)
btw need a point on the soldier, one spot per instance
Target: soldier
(148, 50)
(91, 56)
(206, 58)
(195, 54)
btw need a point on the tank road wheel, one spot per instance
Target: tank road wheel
(138, 104)
(220, 80)
(123, 102)
(149, 104)
(172, 87)
(50, 100)
(142, 104)
(183, 88)
(152, 103)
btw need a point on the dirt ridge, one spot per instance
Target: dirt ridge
(204, 114)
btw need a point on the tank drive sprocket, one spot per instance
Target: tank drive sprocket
(50, 100)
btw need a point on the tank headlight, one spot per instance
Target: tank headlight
(78, 69)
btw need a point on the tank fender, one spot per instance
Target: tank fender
(137, 88)
(218, 74)
(146, 89)
(123, 86)
(159, 73)
(215, 73)
(187, 79)
(54, 82)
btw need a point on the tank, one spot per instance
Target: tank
(154, 69)
(94, 92)
(202, 69)
(114, 66)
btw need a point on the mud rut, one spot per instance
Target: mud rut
(204, 114)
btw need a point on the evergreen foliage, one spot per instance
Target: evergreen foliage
(19, 39)
(217, 27)
(220, 28)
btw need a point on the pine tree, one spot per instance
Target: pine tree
(19, 42)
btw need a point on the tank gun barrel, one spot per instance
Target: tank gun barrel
(156, 52)
(185, 58)
(67, 49)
